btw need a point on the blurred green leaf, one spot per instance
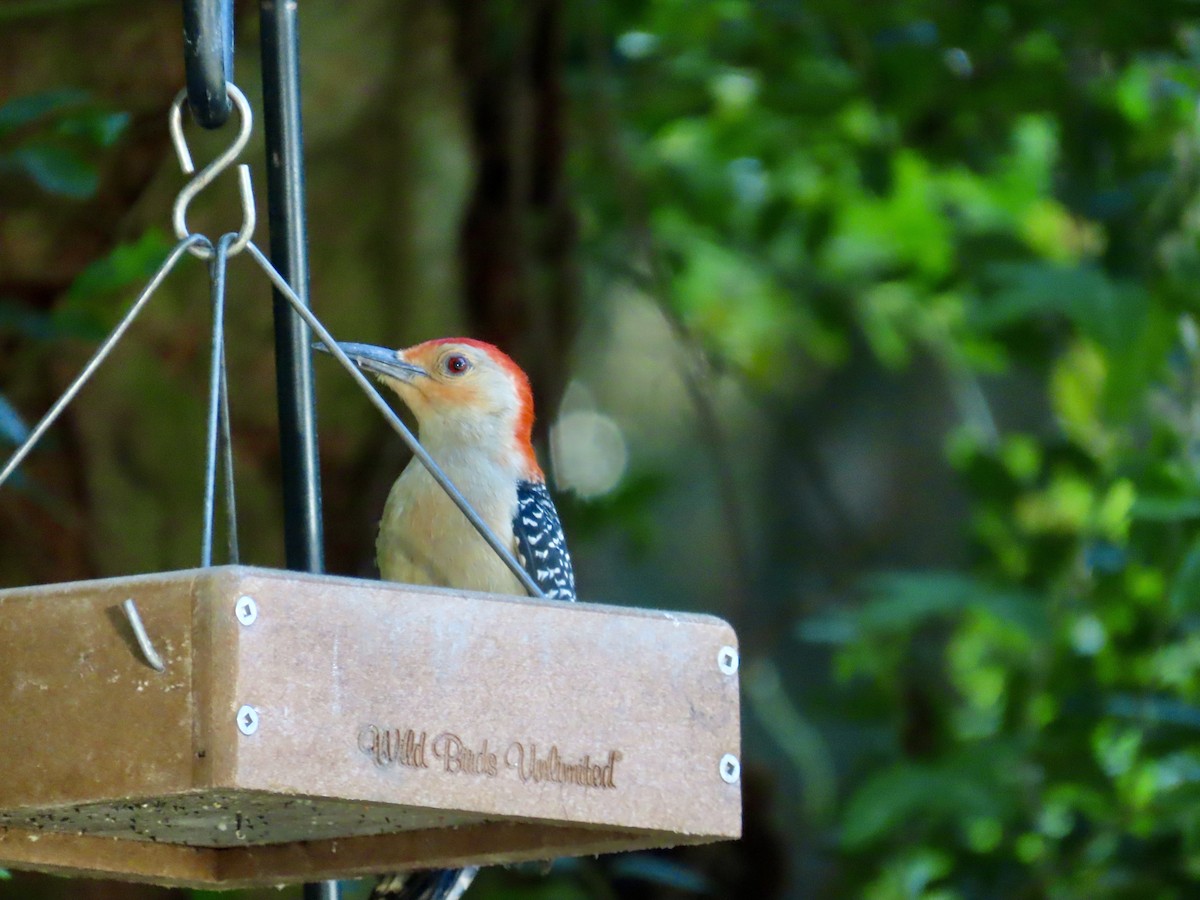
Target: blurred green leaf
(1185, 588)
(909, 794)
(910, 876)
(796, 737)
(899, 602)
(1152, 710)
(31, 323)
(13, 429)
(659, 870)
(1107, 310)
(1166, 509)
(88, 307)
(124, 264)
(98, 127)
(57, 169)
(24, 110)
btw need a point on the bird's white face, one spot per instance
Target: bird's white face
(458, 389)
(458, 381)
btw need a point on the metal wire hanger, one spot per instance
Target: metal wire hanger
(218, 434)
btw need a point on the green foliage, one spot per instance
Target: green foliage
(98, 296)
(89, 310)
(630, 503)
(13, 429)
(53, 138)
(1009, 191)
(1063, 740)
(646, 867)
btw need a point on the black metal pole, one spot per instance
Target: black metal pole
(322, 890)
(289, 254)
(208, 59)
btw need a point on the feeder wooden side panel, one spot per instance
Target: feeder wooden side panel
(491, 844)
(85, 716)
(397, 727)
(173, 865)
(505, 708)
(89, 856)
(216, 632)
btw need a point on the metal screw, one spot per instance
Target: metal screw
(246, 610)
(727, 660)
(730, 769)
(247, 720)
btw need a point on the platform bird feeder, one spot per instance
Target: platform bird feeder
(230, 726)
(309, 727)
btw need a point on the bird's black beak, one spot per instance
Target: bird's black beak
(379, 360)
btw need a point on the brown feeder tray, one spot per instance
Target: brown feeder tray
(343, 727)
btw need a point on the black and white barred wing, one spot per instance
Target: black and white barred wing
(541, 542)
(433, 884)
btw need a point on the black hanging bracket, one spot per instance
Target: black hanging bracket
(208, 59)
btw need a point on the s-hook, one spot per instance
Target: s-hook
(208, 174)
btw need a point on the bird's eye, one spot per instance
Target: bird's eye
(456, 365)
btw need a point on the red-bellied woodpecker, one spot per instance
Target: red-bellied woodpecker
(474, 412)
